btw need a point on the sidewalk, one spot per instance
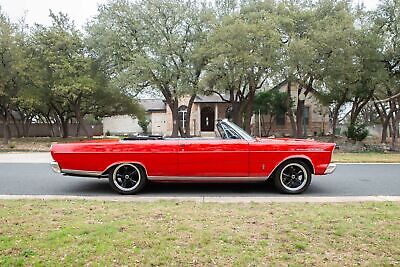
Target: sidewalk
(45, 157)
(33, 157)
(212, 199)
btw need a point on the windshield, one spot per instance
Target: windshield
(229, 130)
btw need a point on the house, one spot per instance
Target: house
(206, 110)
(315, 116)
(126, 125)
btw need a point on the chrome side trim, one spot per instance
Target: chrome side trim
(206, 179)
(55, 167)
(81, 173)
(331, 168)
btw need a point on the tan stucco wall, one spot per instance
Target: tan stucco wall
(122, 124)
(158, 123)
(318, 113)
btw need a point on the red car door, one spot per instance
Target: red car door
(220, 158)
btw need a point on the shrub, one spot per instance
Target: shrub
(144, 124)
(357, 132)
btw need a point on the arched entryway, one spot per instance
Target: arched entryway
(207, 119)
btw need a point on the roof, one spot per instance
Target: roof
(153, 104)
(279, 85)
(214, 98)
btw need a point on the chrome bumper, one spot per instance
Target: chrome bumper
(331, 168)
(55, 167)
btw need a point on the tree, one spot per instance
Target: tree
(387, 99)
(11, 67)
(150, 45)
(272, 103)
(317, 38)
(243, 51)
(67, 69)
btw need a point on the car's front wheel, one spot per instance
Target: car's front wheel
(127, 178)
(292, 177)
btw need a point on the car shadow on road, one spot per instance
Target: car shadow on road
(95, 187)
(101, 187)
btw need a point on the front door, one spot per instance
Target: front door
(218, 158)
(207, 119)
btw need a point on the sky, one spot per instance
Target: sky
(37, 11)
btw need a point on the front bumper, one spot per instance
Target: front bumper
(331, 168)
(55, 167)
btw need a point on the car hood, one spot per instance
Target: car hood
(305, 143)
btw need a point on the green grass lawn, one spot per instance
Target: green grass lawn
(34, 232)
(367, 157)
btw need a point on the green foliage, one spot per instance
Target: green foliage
(144, 124)
(175, 48)
(272, 102)
(49, 74)
(243, 52)
(152, 46)
(356, 132)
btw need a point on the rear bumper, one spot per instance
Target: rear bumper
(331, 168)
(55, 167)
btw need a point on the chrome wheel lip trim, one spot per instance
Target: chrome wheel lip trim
(304, 173)
(114, 177)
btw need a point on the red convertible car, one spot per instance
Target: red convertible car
(232, 156)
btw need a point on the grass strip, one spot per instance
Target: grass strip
(59, 232)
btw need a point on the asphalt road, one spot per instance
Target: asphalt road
(347, 180)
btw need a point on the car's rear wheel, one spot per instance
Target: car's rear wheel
(292, 177)
(127, 178)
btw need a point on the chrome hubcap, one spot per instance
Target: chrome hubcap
(126, 177)
(294, 176)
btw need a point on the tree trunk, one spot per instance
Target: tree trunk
(50, 125)
(385, 125)
(271, 119)
(236, 118)
(188, 116)
(395, 126)
(15, 125)
(26, 125)
(175, 117)
(78, 127)
(79, 117)
(6, 136)
(335, 116)
(357, 107)
(249, 105)
(299, 118)
(64, 128)
(248, 114)
(290, 111)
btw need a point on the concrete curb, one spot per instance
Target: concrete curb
(293, 199)
(34, 157)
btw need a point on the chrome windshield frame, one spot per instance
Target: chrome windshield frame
(239, 131)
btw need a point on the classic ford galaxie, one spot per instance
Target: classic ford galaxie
(233, 155)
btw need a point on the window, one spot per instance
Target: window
(182, 112)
